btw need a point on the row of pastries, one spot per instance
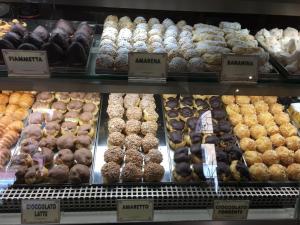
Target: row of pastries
(189, 48)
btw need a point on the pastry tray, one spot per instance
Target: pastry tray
(93, 149)
(61, 68)
(102, 145)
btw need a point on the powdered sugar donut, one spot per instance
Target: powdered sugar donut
(195, 65)
(167, 22)
(187, 28)
(125, 34)
(190, 53)
(159, 27)
(108, 50)
(153, 21)
(181, 24)
(153, 32)
(177, 64)
(155, 38)
(109, 42)
(185, 34)
(159, 50)
(169, 40)
(121, 62)
(105, 61)
(143, 26)
(124, 44)
(123, 50)
(171, 46)
(139, 19)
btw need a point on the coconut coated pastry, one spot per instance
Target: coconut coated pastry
(153, 172)
(110, 172)
(153, 156)
(131, 173)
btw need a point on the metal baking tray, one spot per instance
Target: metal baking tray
(93, 150)
(61, 68)
(102, 145)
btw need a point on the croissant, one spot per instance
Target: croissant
(9, 139)
(14, 98)
(15, 126)
(26, 101)
(6, 120)
(10, 109)
(20, 114)
(2, 110)
(4, 156)
(2, 129)
(3, 99)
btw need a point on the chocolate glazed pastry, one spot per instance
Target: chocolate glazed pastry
(196, 151)
(187, 101)
(76, 54)
(42, 33)
(223, 171)
(27, 46)
(192, 123)
(215, 102)
(33, 39)
(218, 114)
(198, 173)
(54, 52)
(201, 104)
(18, 29)
(181, 155)
(182, 172)
(176, 125)
(171, 103)
(60, 37)
(13, 38)
(65, 26)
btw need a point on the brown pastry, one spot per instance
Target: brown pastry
(90, 107)
(3, 99)
(241, 131)
(116, 139)
(293, 143)
(277, 140)
(182, 172)
(297, 156)
(263, 144)
(134, 113)
(40, 107)
(252, 157)
(131, 100)
(43, 157)
(134, 157)
(270, 157)
(110, 172)
(150, 114)
(114, 154)
(293, 172)
(131, 173)
(16, 126)
(149, 142)
(83, 156)
(79, 174)
(133, 142)
(59, 106)
(20, 172)
(86, 118)
(272, 128)
(86, 129)
(116, 125)
(83, 141)
(149, 127)
(34, 131)
(259, 172)
(52, 129)
(93, 97)
(257, 131)
(153, 172)
(48, 142)
(66, 157)
(176, 140)
(133, 127)
(36, 174)
(14, 98)
(45, 97)
(288, 130)
(281, 118)
(68, 127)
(278, 173)
(172, 114)
(285, 155)
(115, 111)
(54, 116)
(59, 174)
(171, 103)
(154, 156)
(185, 113)
(72, 117)
(22, 159)
(77, 96)
(247, 144)
(20, 114)
(66, 141)
(29, 145)
(75, 106)
(36, 118)
(173, 125)
(63, 97)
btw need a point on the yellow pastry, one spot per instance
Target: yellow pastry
(278, 173)
(228, 99)
(270, 157)
(293, 143)
(270, 100)
(247, 144)
(265, 117)
(293, 171)
(288, 130)
(252, 157)
(263, 144)
(254, 99)
(277, 140)
(250, 120)
(235, 119)
(239, 99)
(281, 118)
(261, 106)
(258, 131)
(241, 131)
(259, 172)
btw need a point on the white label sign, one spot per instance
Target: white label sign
(135, 210)
(230, 209)
(152, 66)
(205, 124)
(25, 63)
(239, 68)
(40, 211)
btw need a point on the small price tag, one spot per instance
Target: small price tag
(230, 209)
(40, 211)
(135, 210)
(239, 68)
(205, 124)
(25, 63)
(147, 67)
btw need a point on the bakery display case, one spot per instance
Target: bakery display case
(90, 136)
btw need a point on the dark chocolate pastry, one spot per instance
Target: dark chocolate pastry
(5, 44)
(183, 169)
(192, 123)
(173, 113)
(42, 33)
(59, 174)
(227, 139)
(201, 104)
(221, 156)
(48, 142)
(183, 150)
(218, 114)
(83, 156)
(216, 128)
(60, 37)
(234, 153)
(215, 102)
(54, 52)
(79, 174)
(225, 126)
(176, 137)
(181, 157)
(83, 39)
(195, 137)
(44, 157)
(198, 171)
(22, 159)
(33, 39)
(20, 172)
(243, 170)
(36, 174)
(186, 112)
(66, 141)
(176, 125)
(66, 26)
(187, 101)
(66, 157)
(172, 103)
(13, 38)
(18, 29)
(196, 150)
(76, 54)
(84, 28)
(223, 171)
(27, 46)
(211, 139)
(29, 145)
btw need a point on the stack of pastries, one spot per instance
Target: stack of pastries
(267, 137)
(14, 108)
(284, 45)
(63, 44)
(189, 49)
(183, 119)
(133, 153)
(56, 144)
